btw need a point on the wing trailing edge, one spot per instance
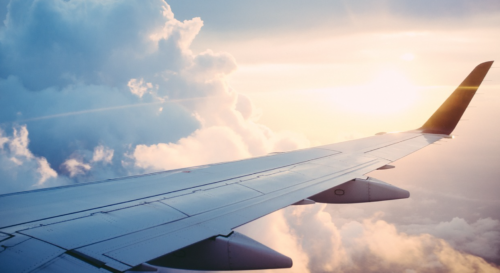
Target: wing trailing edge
(447, 116)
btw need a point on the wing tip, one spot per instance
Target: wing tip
(488, 64)
(447, 116)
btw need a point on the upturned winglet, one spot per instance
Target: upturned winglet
(446, 117)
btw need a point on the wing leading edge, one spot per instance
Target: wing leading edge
(184, 218)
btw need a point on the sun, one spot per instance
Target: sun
(389, 92)
(407, 57)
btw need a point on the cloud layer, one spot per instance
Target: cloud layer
(371, 244)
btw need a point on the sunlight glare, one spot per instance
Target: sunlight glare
(407, 57)
(390, 92)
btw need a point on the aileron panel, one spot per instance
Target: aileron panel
(205, 200)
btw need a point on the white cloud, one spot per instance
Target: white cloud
(372, 245)
(310, 237)
(183, 32)
(210, 145)
(481, 238)
(75, 167)
(19, 168)
(245, 106)
(138, 87)
(45, 171)
(18, 144)
(418, 252)
(103, 154)
(214, 144)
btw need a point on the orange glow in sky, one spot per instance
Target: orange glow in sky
(358, 84)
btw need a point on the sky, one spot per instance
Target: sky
(91, 90)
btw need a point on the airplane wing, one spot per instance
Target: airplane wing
(185, 218)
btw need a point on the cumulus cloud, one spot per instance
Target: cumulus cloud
(245, 106)
(374, 245)
(112, 89)
(19, 168)
(138, 87)
(387, 249)
(75, 167)
(103, 154)
(481, 238)
(55, 43)
(310, 236)
(214, 144)
(275, 232)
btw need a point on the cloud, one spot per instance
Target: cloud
(19, 168)
(245, 106)
(103, 154)
(81, 117)
(396, 250)
(75, 167)
(474, 232)
(55, 43)
(210, 145)
(138, 87)
(325, 254)
(112, 89)
(373, 245)
(481, 238)
(274, 231)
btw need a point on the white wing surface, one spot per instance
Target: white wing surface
(184, 218)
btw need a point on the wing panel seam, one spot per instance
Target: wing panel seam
(156, 195)
(393, 143)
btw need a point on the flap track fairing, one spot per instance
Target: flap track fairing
(360, 191)
(234, 252)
